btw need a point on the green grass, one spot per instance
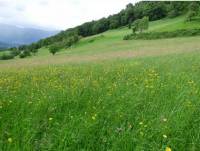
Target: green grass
(4, 52)
(112, 40)
(104, 94)
(115, 105)
(174, 24)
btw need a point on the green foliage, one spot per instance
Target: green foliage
(144, 24)
(190, 15)
(53, 49)
(141, 24)
(128, 37)
(160, 35)
(176, 8)
(7, 56)
(15, 52)
(24, 54)
(193, 11)
(173, 13)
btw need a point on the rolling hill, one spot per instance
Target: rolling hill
(112, 40)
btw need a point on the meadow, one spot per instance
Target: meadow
(104, 94)
(141, 104)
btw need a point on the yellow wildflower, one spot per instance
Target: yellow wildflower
(94, 116)
(50, 119)
(164, 120)
(168, 149)
(164, 136)
(10, 140)
(141, 123)
(130, 126)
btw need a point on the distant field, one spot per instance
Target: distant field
(112, 40)
(106, 51)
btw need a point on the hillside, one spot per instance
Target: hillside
(112, 41)
(126, 17)
(110, 45)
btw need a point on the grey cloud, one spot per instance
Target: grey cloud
(43, 3)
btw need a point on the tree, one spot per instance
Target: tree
(5, 56)
(53, 49)
(24, 54)
(134, 29)
(129, 24)
(173, 13)
(176, 8)
(144, 23)
(33, 48)
(190, 15)
(141, 24)
(193, 11)
(129, 13)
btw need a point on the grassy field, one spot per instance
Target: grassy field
(141, 104)
(173, 24)
(112, 40)
(104, 94)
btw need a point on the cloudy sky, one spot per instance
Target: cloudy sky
(56, 14)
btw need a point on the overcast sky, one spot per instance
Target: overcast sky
(57, 14)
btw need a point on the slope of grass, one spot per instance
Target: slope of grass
(110, 51)
(174, 24)
(141, 104)
(3, 52)
(112, 40)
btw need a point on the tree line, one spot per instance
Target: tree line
(65, 39)
(139, 25)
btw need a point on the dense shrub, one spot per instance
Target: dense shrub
(160, 35)
(7, 56)
(15, 52)
(128, 37)
(53, 49)
(25, 54)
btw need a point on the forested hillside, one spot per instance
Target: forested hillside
(126, 17)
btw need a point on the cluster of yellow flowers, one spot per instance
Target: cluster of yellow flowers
(152, 77)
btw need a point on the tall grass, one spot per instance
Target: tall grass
(142, 104)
